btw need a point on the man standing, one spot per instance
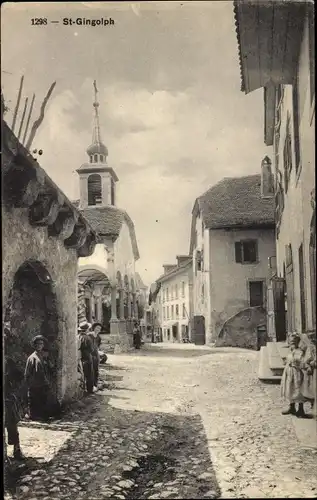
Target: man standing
(96, 341)
(37, 381)
(86, 349)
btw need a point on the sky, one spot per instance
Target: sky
(172, 114)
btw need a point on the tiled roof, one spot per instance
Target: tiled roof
(108, 220)
(138, 281)
(176, 270)
(236, 202)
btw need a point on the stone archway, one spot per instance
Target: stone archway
(32, 310)
(97, 293)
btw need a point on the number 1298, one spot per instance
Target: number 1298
(39, 21)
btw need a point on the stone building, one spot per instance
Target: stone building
(108, 274)
(289, 107)
(232, 238)
(277, 53)
(174, 300)
(43, 235)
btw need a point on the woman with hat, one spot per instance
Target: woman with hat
(86, 350)
(96, 341)
(37, 381)
(292, 388)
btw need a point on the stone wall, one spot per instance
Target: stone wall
(241, 329)
(22, 242)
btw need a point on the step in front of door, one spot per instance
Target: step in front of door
(275, 361)
(265, 373)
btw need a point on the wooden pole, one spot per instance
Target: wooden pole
(28, 120)
(17, 104)
(38, 122)
(23, 116)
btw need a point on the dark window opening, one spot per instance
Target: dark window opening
(256, 293)
(296, 127)
(94, 190)
(246, 251)
(90, 158)
(302, 287)
(101, 158)
(198, 260)
(287, 155)
(112, 192)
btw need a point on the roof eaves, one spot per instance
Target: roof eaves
(236, 22)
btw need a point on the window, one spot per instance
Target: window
(94, 190)
(256, 293)
(198, 260)
(113, 201)
(177, 311)
(246, 251)
(172, 292)
(296, 127)
(184, 311)
(90, 158)
(164, 294)
(287, 155)
(168, 312)
(167, 294)
(101, 158)
(172, 312)
(95, 158)
(164, 314)
(202, 292)
(183, 289)
(302, 287)
(176, 292)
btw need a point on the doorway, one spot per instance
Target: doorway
(256, 291)
(175, 332)
(31, 311)
(199, 333)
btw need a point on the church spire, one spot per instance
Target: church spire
(97, 151)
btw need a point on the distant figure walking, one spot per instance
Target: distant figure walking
(86, 349)
(96, 341)
(37, 381)
(136, 335)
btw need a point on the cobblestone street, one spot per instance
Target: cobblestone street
(175, 421)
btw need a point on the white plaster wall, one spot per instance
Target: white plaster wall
(295, 224)
(229, 292)
(181, 276)
(123, 253)
(201, 279)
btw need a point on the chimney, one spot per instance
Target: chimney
(181, 259)
(169, 267)
(267, 182)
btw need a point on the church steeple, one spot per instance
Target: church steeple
(97, 179)
(97, 151)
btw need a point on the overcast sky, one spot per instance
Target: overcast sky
(172, 113)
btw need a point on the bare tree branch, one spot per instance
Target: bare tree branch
(40, 119)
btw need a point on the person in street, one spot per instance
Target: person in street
(96, 341)
(86, 349)
(37, 381)
(292, 383)
(136, 335)
(13, 399)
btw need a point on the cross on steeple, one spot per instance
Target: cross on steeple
(97, 151)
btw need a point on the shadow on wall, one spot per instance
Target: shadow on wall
(246, 329)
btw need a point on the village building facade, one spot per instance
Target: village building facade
(108, 275)
(174, 300)
(232, 240)
(288, 79)
(43, 235)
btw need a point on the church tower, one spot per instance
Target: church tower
(97, 180)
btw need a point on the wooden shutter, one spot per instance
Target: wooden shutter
(238, 251)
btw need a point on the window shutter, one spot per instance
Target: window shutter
(238, 251)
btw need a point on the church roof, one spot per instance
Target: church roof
(108, 221)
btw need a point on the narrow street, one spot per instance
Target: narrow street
(174, 421)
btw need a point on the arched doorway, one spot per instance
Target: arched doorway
(31, 311)
(97, 290)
